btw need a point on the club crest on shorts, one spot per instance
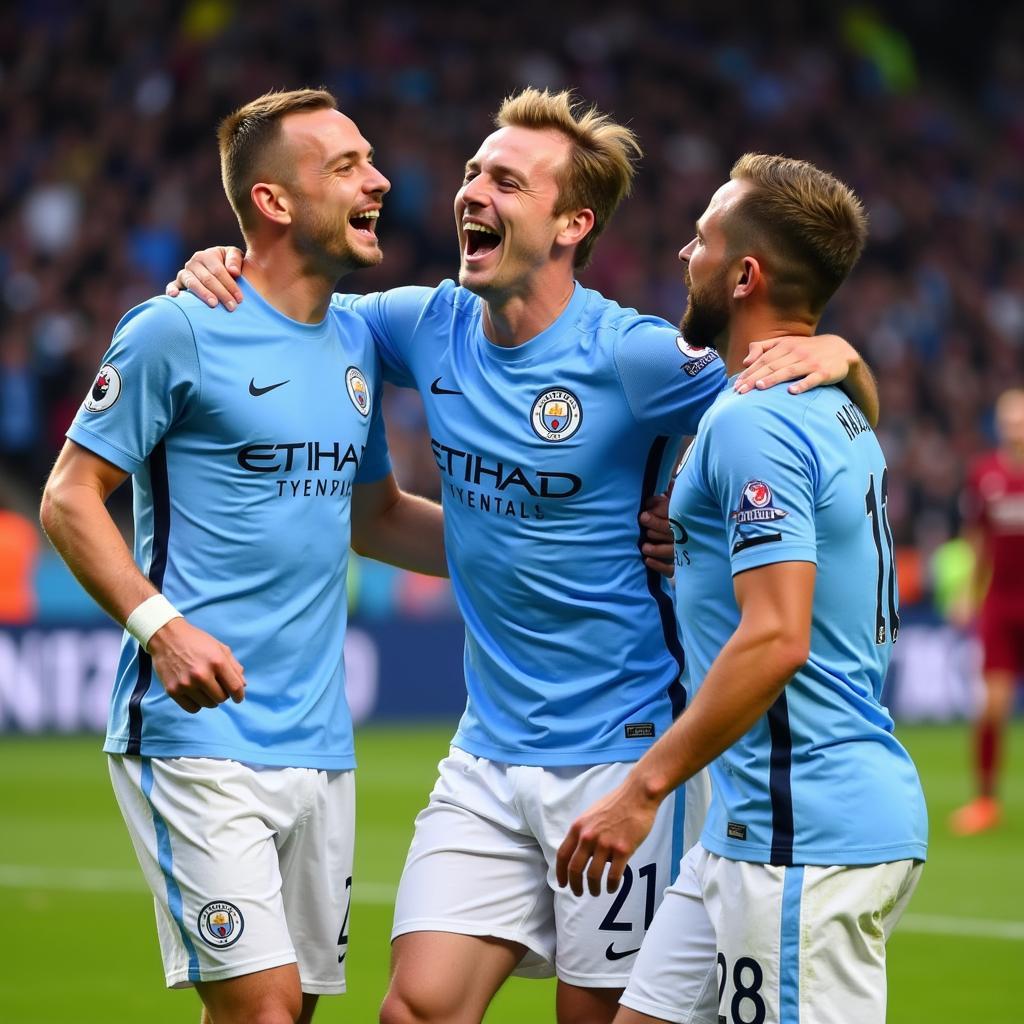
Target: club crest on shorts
(556, 415)
(757, 504)
(355, 382)
(697, 356)
(220, 924)
(106, 389)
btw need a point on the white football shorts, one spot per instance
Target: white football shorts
(250, 867)
(737, 942)
(482, 862)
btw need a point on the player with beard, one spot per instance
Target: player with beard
(256, 448)
(554, 413)
(787, 605)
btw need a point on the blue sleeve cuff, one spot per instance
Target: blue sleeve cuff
(104, 449)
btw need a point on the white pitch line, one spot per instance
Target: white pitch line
(23, 876)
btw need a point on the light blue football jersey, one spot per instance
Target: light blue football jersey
(244, 433)
(820, 779)
(547, 452)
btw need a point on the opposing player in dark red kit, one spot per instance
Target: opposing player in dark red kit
(995, 522)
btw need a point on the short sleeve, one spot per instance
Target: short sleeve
(147, 380)
(668, 384)
(376, 461)
(392, 317)
(761, 469)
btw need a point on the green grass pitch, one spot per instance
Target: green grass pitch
(77, 942)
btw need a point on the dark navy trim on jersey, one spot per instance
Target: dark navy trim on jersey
(753, 542)
(157, 568)
(666, 611)
(780, 782)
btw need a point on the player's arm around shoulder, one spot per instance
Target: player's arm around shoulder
(211, 275)
(811, 362)
(667, 383)
(403, 529)
(394, 318)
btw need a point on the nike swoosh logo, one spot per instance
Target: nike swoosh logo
(436, 389)
(256, 392)
(612, 954)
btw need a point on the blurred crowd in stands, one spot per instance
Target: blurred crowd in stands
(111, 179)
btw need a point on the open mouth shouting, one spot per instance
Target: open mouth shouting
(364, 222)
(479, 241)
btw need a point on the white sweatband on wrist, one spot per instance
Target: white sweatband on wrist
(148, 617)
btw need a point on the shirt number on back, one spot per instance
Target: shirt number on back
(875, 508)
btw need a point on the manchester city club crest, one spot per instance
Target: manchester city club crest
(556, 415)
(757, 504)
(697, 356)
(106, 389)
(355, 382)
(220, 924)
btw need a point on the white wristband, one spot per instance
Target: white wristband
(148, 617)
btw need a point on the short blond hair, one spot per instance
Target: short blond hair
(810, 227)
(249, 142)
(601, 166)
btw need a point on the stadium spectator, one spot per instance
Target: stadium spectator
(995, 521)
(106, 107)
(257, 450)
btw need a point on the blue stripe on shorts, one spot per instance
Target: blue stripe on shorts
(166, 859)
(678, 821)
(789, 947)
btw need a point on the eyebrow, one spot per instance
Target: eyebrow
(498, 171)
(352, 154)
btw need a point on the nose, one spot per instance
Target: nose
(687, 251)
(376, 182)
(473, 192)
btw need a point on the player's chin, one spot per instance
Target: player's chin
(369, 259)
(365, 254)
(476, 279)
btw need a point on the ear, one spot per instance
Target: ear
(578, 224)
(749, 278)
(272, 202)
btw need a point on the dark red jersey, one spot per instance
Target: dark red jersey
(995, 505)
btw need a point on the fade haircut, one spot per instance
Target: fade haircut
(599, 172)
(251, 149)
(809, 227)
